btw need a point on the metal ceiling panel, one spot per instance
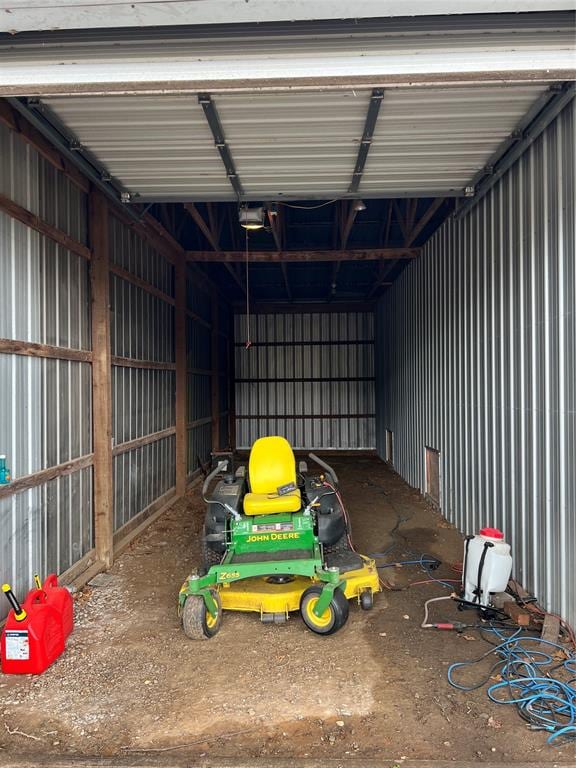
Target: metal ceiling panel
(291, 144)
(369, 52)
(438, 139)
(297, 145)
(154, 145)
(82, 14)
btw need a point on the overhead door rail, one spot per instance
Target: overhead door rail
(46, 122)
(366, 141)
(546, 109)
(213, 119)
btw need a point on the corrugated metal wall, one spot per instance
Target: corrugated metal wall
(205, 314)
(45, 418)
(477, 359)
(308, 377)
(143, 397)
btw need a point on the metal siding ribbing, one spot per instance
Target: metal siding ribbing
(142, 402)
(134, 254)
(311, 357)
(199, 372)
(480, 335)
(142, 325)
(143, 399)
(44, 298)
(141, 476)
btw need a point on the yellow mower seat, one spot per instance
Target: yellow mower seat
(271, 466)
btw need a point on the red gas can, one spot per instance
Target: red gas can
(30, 645)
(61, 599)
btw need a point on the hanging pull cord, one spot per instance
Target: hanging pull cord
(248, 339)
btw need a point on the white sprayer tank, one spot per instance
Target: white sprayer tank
(487, 566)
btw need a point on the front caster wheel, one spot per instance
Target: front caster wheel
(367, 600)
(333, 618)
(197, 622)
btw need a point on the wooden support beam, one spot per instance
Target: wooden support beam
(337, 224)
(199, 422)
(367, 254)
(416, 230)
(135, 280)
(24, 483)
(181, 377)
(202, 225)
(411, 206)
(273, 220)
(35, 222)
(215, 379)
(270, 308)
(388, 226)
(130, 362)
(401, 219)
(101, 377)
(384, 270)
(284, 268)
(306, 417)
(277, 233)
(212, 238)
(348, 223)
(140, 442)
(33, 349)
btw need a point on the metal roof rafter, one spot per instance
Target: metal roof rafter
(211, 114)
(366, 141)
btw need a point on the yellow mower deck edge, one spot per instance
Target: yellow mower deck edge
(256, 594)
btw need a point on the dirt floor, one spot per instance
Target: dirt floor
(130, 683)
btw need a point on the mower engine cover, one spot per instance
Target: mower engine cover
(274, 533)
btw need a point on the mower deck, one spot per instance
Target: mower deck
(266, 596)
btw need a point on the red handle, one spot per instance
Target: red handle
(35, 596)
(50, 581)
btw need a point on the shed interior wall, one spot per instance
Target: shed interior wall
(308, 376)
(477, 359)
(47, 512)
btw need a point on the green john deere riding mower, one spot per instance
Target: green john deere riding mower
(275, 541)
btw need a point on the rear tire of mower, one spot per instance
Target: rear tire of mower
(336, 614)
(196, 621)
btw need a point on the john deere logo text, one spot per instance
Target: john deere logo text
(273, 537)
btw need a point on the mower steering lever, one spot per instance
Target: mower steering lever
(221, 466)
(325, 466)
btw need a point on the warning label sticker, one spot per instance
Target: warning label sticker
(17, 645)
(273, 527)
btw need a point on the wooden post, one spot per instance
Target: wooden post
(101, 378)
(215, 374)
(181, 376)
